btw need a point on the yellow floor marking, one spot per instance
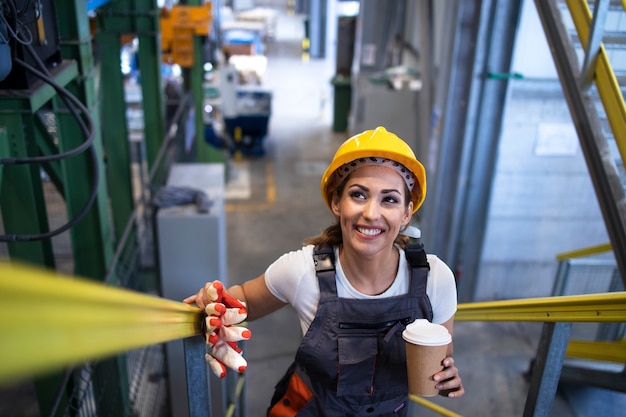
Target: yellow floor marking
(270, 193)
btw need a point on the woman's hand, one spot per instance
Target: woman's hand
(201, 298)
(448, 380)
(223, 312)
(257, 298)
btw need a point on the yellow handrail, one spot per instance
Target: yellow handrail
(606, 82)
(580, 253)
(432, 406)
(597, 350)
(603, 307)
(232, 406)
(48, 321)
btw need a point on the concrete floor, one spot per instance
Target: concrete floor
(493, 358)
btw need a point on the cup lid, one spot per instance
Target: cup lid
(423, 332)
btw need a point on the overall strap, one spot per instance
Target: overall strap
(416, 257)
(324, 260)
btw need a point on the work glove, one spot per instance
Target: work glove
(223, 314)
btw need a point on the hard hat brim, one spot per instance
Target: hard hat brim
(392, 148)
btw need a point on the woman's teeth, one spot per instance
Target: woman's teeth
(369, 232)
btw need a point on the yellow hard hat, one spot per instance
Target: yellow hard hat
(377, 143)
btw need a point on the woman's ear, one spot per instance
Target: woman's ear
(334, 204)
(408, 213)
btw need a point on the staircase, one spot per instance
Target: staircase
(575, 31)
(588, 43)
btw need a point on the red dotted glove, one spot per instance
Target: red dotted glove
(223, 313)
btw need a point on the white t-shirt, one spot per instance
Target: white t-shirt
(292, 279)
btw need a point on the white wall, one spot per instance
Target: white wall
(532, 57)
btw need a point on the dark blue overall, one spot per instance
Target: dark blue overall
(351, 361)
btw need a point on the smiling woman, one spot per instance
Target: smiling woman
(372, 210)
(355, 287)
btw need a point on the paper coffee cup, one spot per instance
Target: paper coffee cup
(426, 348)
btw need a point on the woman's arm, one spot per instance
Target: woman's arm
(258, 298)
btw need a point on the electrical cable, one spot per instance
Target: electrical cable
(36, 12)
(6, 62)
(89, 131)
(26, 6)
(92, 197)
(14, 32)
(64, 94)
(6, 26)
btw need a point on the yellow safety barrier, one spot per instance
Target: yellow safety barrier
(48, 321)
(597, 350)
(603, 307)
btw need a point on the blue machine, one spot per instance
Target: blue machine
(254, 108)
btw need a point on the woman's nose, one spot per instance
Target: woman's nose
(372, 210)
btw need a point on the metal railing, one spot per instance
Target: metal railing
(78, 320)
(604, 307)
(557, 314)
(597, 67)
(579, 77)
(84, 320)
(606, 346)
(565, 264)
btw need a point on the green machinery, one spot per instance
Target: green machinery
(65, 119)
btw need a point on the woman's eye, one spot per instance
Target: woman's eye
(392, 200)
(357, 194)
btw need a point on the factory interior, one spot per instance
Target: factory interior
(148, 147)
